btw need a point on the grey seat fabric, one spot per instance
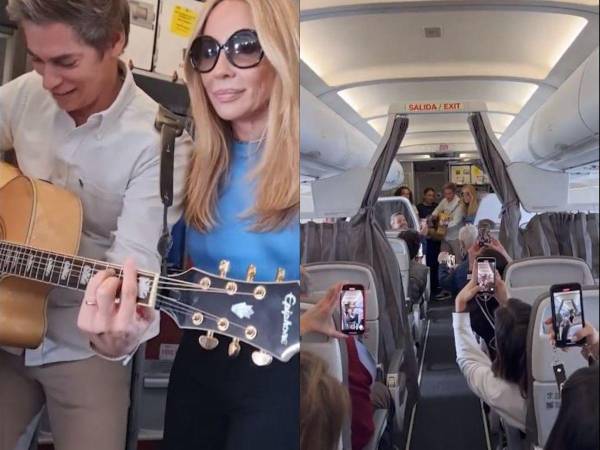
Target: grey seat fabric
(561, 233)
(543, 397)
(363, 240)
(324, 275)
(321, 277)
(330, 351)
(401, 252)
(326, 348)
(528, 278)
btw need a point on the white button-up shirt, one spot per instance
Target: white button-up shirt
(112, 163)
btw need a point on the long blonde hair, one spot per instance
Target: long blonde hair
(471, 208)
(277, 172)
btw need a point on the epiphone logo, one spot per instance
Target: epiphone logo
(288, 302)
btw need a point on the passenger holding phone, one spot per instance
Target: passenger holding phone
(588, 336)
(501, 383)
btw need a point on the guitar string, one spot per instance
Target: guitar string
(162, 299)
(174, 302)
(37, 263)
(163, 281)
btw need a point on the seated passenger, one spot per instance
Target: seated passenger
(418, 273)
(453, 280)
(576, 426)
(502, 384)
(398, 222)
(324, 405)
(366, 394)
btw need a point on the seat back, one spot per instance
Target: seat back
(324, 275)
(528, 278)
(328, 349)
(544, 398)
(401, 252)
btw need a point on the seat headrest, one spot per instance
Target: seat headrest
(325, 274)
(540, 350)
(528, 278)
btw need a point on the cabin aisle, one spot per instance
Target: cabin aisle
(448, 416)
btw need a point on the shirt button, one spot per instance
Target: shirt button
(99, 136)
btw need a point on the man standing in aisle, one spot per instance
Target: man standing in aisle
(79, 121)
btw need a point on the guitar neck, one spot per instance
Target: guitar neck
(72, 272)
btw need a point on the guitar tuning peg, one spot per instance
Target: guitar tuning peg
(223, 268)
(234, 348)
(208, 341)
(261, 358)
(280, 274)
(251, 272)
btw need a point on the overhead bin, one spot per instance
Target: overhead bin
(563, 133)
(330, 145)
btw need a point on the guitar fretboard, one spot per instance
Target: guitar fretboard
(73, 272)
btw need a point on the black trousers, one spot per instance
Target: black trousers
(431, 258)
(220, 403)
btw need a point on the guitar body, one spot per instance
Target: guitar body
(38, 214)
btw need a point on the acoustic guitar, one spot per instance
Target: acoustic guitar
(40, 228)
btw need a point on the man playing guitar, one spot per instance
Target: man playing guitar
(79, 121)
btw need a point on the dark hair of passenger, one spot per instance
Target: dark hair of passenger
(324, 405)
(576, 425)
(501, 261)
(511, 324)
(413, 240)
(428, 189)
(398, 193)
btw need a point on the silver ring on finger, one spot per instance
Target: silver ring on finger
(91, 301)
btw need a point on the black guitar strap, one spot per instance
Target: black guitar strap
(170, 126)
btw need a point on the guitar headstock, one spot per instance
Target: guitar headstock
(265, 315)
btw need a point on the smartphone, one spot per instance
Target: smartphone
(483, 236)
(486, 274)
(567, 313)
(352, 309)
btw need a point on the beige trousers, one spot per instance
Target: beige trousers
(87, 401)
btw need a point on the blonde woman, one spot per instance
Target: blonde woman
(242, 205)
(470, 203)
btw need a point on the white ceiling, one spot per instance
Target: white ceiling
(359, 56)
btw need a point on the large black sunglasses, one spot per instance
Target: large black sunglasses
(242, 50)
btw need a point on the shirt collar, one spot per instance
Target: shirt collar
(111, 115)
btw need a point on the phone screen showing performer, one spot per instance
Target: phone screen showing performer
(567, 313)
(486, 274)
(352, 309)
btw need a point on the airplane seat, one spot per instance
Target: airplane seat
(401, 252)
(417, 316)
(333, 352)
(322, 275)
(420, 312)
(527, 278)
(544, 398)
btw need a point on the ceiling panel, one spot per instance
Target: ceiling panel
(345, 49)
(315, 4)
(442, 122)
(501, 96)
